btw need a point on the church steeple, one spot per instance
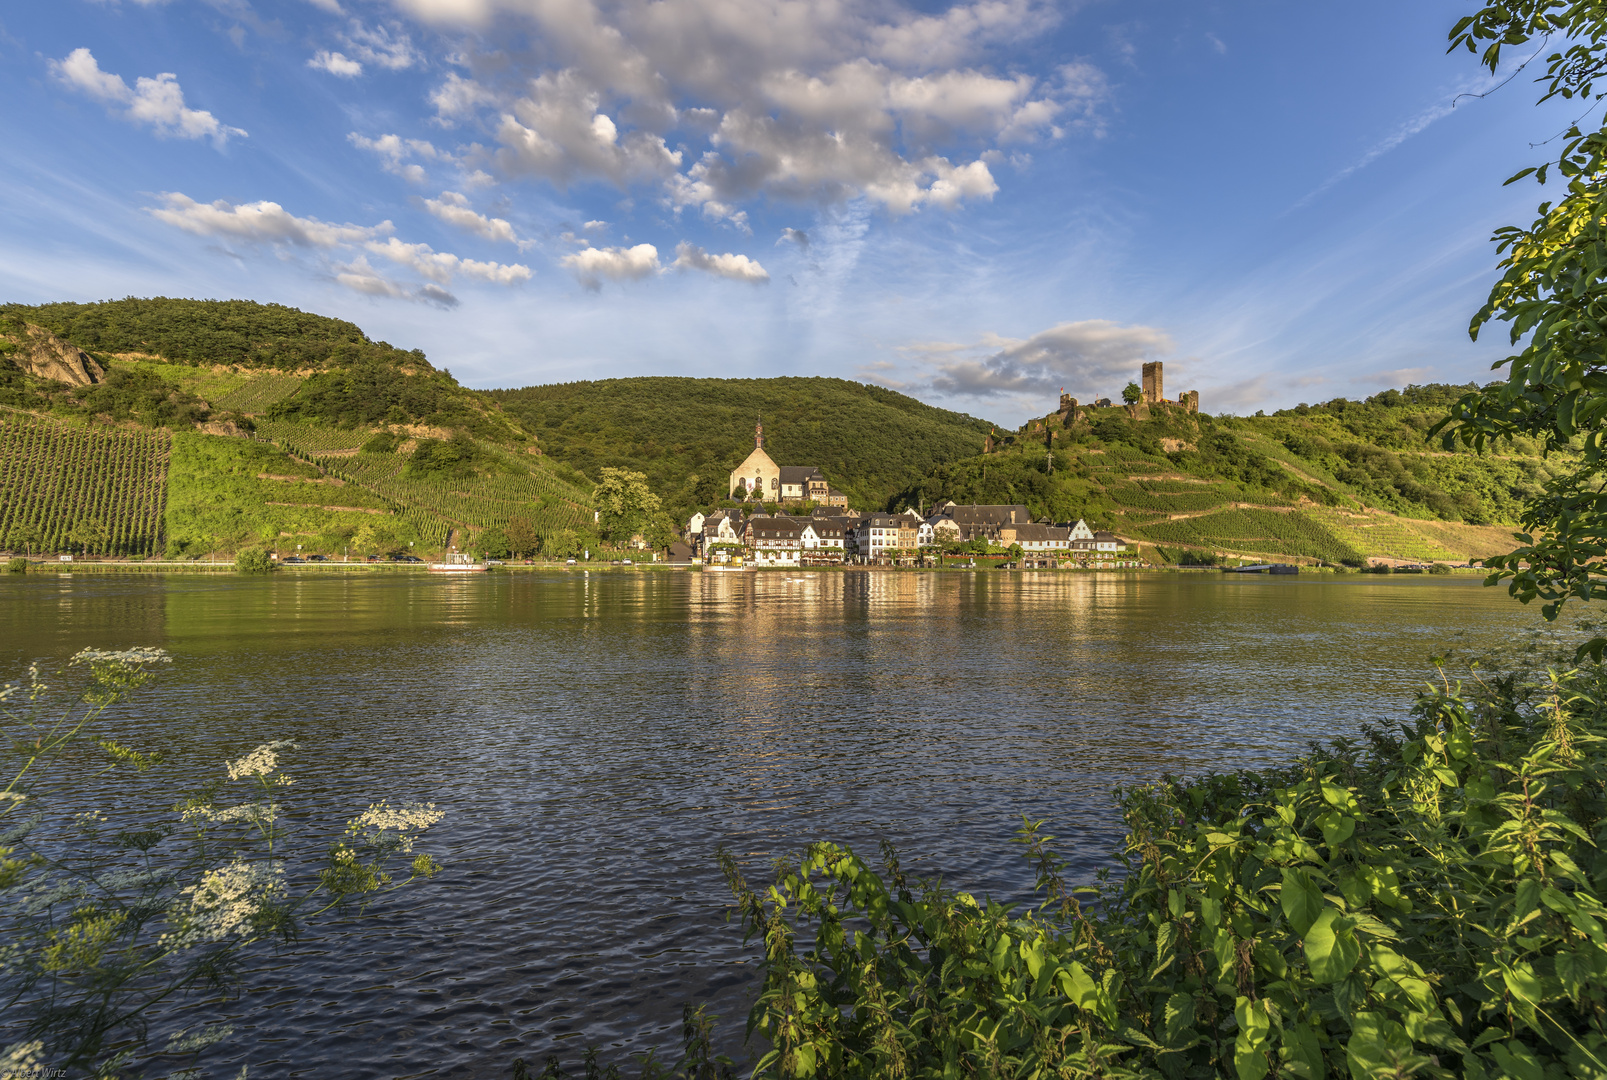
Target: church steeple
(758, 434)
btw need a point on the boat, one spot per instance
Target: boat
(458, 563)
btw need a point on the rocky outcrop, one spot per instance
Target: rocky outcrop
(46, 356)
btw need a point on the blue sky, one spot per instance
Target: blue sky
(976, 203)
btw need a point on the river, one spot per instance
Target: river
(594, 737)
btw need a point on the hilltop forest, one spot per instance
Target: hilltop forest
(686, 435)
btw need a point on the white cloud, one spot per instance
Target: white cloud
(260, 223)
(331, 6)
(440, 266)
(271, 224)
(393, 151)
(591, 265)
(336, 64)
(453, 208)
(359, 276)
(557, 131)
(796, 236)
(1094, 358)
(457, 99)
(383, 46)
(797, 99)
(157, 102)
(735, 267)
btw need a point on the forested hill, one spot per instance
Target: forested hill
(687, 435)
(235, 332)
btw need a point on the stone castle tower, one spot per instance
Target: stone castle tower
(1154, 390)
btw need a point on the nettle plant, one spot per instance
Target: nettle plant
(1426, 903)
(112, 921)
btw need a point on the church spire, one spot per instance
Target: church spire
(758, 434)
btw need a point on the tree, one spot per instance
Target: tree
(661, 531)
(1015, 552)
(522, 539)
(492, 543)
(560, 544)
(1132, 393)
(1553, 290)
(624, 503)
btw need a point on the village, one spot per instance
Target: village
(825, 531)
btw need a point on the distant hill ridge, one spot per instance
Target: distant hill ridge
(1337, 480)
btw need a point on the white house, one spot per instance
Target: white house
(694, 525)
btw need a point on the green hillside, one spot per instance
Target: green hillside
(221, 424)
(1338, 482)
(285, 428)
(686, 435)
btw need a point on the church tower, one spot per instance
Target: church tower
(757, 472)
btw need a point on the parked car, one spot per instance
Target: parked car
(411, 558)
(295, 559)
(569, 562)
(627, 562)
(316, 558)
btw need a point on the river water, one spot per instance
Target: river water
(594, 737)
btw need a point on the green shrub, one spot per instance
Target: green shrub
(1439, 568)
(1425, 903)
(17, 565)
(253, 561)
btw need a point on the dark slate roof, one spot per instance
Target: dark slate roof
(1031, 531)
(990, 515)
(798, 474)
(777, 529)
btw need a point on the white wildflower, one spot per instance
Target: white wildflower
(23, 1059)
(224, 902)
(143, 654)
(21, 829)
(14, 797)
(46, 894)
(406, 820)
(252, 813)
(187, 1042)
(261, 761)
(125, 880)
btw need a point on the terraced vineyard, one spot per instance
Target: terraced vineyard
(1267, 532)
(531, 494)
(261, 391)
(66, 488)
(311, 439)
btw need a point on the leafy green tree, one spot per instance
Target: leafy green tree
(523, 541)
(1132, 393)
(492, 543)
(1552, 292)
(1015, 552)
(661, 531)
(560, 544)
(625, 504)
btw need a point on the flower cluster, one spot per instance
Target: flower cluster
(407, 821)
(228, 900)
(261, 761)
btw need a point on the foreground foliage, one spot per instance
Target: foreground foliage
(117, 917)
(1420, 904)
(1553, 295)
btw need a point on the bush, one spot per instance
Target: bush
(253, 561)
(1439, 568)
(1425, 903)
(17, 565)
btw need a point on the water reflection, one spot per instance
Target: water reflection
(596, 735)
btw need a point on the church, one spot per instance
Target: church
(759, 477)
